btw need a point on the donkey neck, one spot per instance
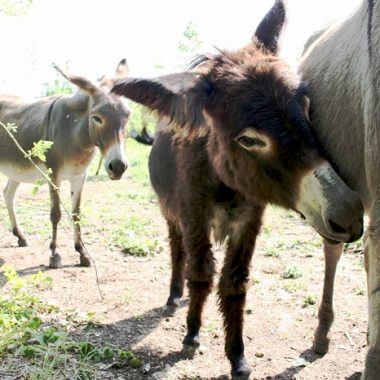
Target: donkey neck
(78, 109)
(78, 102)
(69, 124)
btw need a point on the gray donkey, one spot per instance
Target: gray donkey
(76, 124)
(342, 67)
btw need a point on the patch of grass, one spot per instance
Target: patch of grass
(20, 309)
(213, 327)
(308, 246)
(292, 286)
(309, 300)
(136, 238)
(267, 229)
(125, 297)
(291, 272)
(272, 252)
(29, 331)
(360, 292)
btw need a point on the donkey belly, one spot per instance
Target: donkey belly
(25, 173)
(163, 167)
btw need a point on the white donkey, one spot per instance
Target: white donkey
(76, 124)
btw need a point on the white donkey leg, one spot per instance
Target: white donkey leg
(9, 196)
(372, 255)
(76, 195)
(55, 217)
(326, 311)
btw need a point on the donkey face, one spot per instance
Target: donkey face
(108, 116)
(107, 127)
(260, 141)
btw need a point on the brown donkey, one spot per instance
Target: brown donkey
(235, 136)
(76, 124)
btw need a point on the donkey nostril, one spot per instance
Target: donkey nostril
(117, 167)
(336, 227)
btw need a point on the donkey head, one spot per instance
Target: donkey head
(107, 119)
(260, 141)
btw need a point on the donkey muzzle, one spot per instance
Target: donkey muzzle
(332, 209)
(116, 168)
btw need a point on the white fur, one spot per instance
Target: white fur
(22, 174)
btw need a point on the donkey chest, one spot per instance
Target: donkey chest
(229, 219)
(74, 163)
(73, 168)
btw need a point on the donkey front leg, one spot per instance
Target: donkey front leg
(326, 312)
(232, 294)
(76, 195)
(55, 217)
(9, 196)
(372, 256)
(178, 262)
(200, 273)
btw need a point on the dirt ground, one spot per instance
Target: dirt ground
(278, 330)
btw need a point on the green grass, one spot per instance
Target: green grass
(273, 251)
(28, 330)
(293, 286)
(310, 299)
(291, 272)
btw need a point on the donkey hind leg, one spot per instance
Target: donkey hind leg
(326, 312)
(76, 185)
(178, 262)
(200, 273)
(9, 196)
(232, 294)
(55, 217)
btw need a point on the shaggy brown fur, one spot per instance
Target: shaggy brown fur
(241, 139)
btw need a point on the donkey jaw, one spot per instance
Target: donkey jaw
(329, 206)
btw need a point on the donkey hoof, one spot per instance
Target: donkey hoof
(173, 301)
(242, 371)
(170, 310)
(22, 242)
(84, 261)
(191, 345)
(191, 340)
(321, 345)
(55, 261)
(171, 306)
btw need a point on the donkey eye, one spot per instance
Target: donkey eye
(97, 119)
(250, 142)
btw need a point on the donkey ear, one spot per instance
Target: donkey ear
(270, 27)
(84, 84)
(122, 69)
(180, 97)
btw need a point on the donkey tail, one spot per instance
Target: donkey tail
(144, 137)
